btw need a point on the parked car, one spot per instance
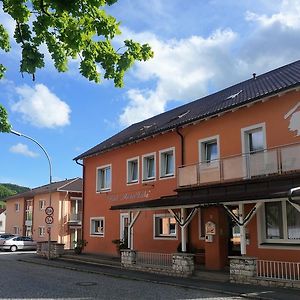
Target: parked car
(4, 236)
(18, 243)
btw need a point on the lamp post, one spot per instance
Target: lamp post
(50, 177)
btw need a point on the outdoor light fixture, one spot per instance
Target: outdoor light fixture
(50, 177)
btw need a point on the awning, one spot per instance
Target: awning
(264, 188)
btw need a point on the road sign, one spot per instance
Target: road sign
(49, 220)
(49, 210)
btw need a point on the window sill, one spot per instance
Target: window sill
(167, 176)
(103, 191)
(148, 179)
(287, 246)
(96, 235)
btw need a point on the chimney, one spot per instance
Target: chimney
(254, 75)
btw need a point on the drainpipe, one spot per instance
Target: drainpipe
(82, 216)
(182, 145)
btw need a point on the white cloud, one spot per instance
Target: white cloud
(187, 69)
(40, 107)
(181, 68)
(275, 39)
(23, 150)
(288, 15)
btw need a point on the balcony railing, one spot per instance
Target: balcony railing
(273, 161)
(73, 218)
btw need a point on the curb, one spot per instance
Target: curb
(120, 276)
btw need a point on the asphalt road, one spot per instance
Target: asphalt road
(27, 281)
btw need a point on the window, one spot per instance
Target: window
(281, 222)
(16, 230)
(42, 231)
(164, 226)
(133, 170)
(17, 207)
(97, 226)
(254, 138)
(149, 167)
(42, 204)
(104, 178)
(167, 163)
(209, 149)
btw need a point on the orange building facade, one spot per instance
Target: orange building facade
(216, 177)
(26, 212)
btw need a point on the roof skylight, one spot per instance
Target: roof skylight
(234, 95)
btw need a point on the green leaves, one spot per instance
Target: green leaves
(4, 124)
(4, 39)
(71, 29)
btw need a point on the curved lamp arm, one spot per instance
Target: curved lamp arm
(44, 150)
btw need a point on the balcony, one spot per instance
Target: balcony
(73, 219)
(274, 161)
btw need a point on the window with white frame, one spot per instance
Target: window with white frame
(42, 231)
(149, 167)
(104, 178)
(97, 226)
(254, 138)
(164, 226)
(167, 162)
(209, 149)
(42, 204)
(17, 207)
(16, 230)
(133, 170)
(281, 223)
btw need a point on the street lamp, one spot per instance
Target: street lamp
(50, 176)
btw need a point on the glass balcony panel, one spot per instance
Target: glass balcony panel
(209, 172)
(234, 168)
(263, 163)
(187, 175)
(290, 158)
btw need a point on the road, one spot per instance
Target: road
(25, 280)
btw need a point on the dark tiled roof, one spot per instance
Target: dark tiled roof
(2, 210)
(55, 186)
(248, 91)
(74, 186)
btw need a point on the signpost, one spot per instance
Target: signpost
(49, 210)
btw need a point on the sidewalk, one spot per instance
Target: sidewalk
(204, 280)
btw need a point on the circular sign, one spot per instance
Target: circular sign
(49, 210)
(49, 220)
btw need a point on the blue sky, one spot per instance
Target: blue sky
(200, 47)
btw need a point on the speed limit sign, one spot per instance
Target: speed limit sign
(49, 210)
(49, 220)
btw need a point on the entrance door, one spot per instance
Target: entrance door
(124, 221)
(234, 240)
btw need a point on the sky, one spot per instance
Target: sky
(200, 47)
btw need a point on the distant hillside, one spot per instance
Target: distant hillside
(8, 189)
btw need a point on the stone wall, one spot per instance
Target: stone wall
(182, 264)
(56, 249)
(243, 269)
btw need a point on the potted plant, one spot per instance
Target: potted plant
(120, 244)
(79, 245)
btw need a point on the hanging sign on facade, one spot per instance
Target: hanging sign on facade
(210, 228)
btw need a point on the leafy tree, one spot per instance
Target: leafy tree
(70, 29)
